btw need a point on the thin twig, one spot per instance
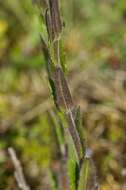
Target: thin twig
(19, 176)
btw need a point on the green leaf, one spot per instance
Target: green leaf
(72, 167)
(72, 173)
(84, 174)
(59, 133)
(71, 146)
(53, 90)
(80, 128)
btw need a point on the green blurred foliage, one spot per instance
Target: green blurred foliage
(95, 45)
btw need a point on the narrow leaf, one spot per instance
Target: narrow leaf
(59, 133)
(80, 128)
(55, 18)
(48, 24)
(72, 165)
(84, 174)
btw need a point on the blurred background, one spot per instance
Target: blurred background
(95, 45)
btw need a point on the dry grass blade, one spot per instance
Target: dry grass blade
(19, 176)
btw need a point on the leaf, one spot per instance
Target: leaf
(80, 128)
(72, 165)
(84, 174)
(88, 178)
(48, 61)
(72, 173)
(71, 146)
(55, 18)
(75, 135)
(48, 24)
(60, 100)
(66, 91)
(59, 133)
(64, 99)
(49, 67)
